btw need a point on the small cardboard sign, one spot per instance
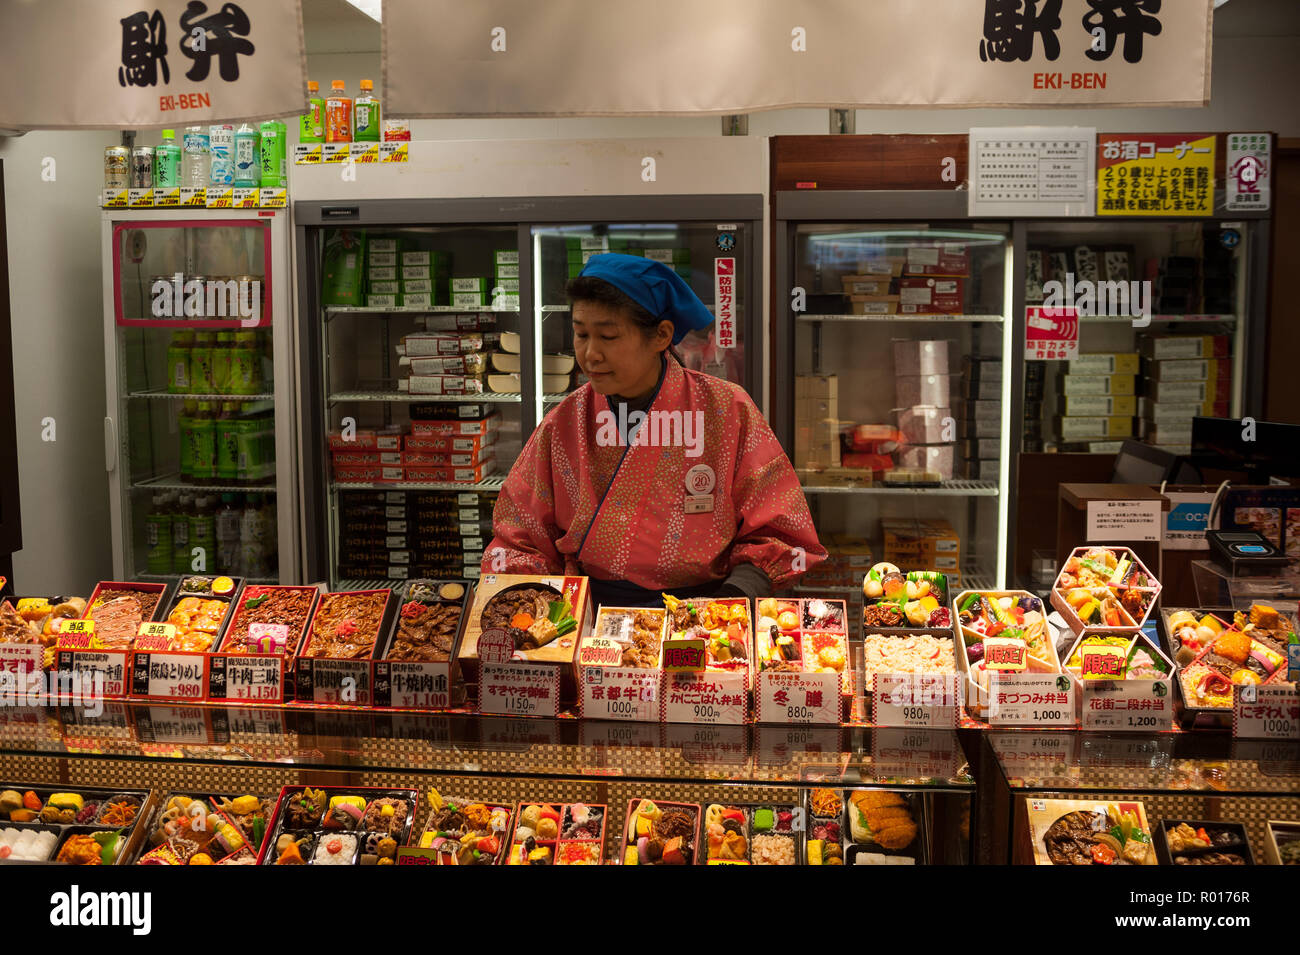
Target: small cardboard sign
(684, 656)
(716, 697)
(72, 632)
(412, 855)
(413, 685)
(620, 693)
(915, 700)
(269, 637)
(1131, 706)
(519, 689)
(110, 666)
(169, 676)
(1031, 699)
(1266, 712)
(1005, 654)
(238, 677)
(782, 697)
(154, 636)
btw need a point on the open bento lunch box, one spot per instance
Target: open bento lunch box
(339, 825)
(206, 829)
(1104, 587)
(1005, 615)
(70, 825)
(865, 827)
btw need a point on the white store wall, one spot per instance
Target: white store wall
(54, 254)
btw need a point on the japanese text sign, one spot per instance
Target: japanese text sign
(915, 700)
(1051, 334)
(724, 302)
(1266, 712)
(1127, 705)
(519, 689)
(138, 64)
(1247, 171)
(1150, 174)
(239, 677)
(714, 696)
(1031, 699)
(1124, 521)
(798, 697)
(169, 676)
(620, 693)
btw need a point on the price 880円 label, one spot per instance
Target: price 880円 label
(798, 697)
(1266, 712)
(620, 693)
(519, 689)
(915, 700)
(1031, 699)
(169, 676)
(1129, 706)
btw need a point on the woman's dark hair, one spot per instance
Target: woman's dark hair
(588, 288)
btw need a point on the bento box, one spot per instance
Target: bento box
(1011, 617)
(620, 664)
(465, 831)
(661, 833)
(1281, 842)
(206, 829)
(118, 608)
(70, 825)
(915, 601)
(865, 827)
(714, 675)
(1104, 587)
(1185, 842)
(796, 639)
(1085, 832)
(558, 834)
(200, 611)
(344, 633)
(269, 619)
(339, 825)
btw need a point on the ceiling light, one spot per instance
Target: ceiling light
(370, 8)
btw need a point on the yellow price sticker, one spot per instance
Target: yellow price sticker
(77, 626)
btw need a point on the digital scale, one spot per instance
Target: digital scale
(1244, 552)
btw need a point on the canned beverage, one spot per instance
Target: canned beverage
(246, 289)
(142, 167)
(117, 165)
(221, 144)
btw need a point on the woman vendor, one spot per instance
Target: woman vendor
(651, 478)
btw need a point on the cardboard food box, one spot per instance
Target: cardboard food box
(935, 390)
(578, 837)
(877, 284)
(1105, 363)
(1083, 406)
(925, 424)
(717, 668)
(1072, 385)
(367, 474)
(434, 344)
(1111, 654)
(921, 358)
(113, 630)
(1189, 369)
(191, 613)
(440, 385)
(62, 820)
(1076, 428)
(322, 671)
(366, 439)
(979, 615)
(810, 641)
(1185, 346)
(315, 830)
(1057, 831)
(933, 457)
(938, 258)
(474, 427)
(451, 475)
(929, 296)
(1206, 392)
(875, 304)
(1133, 578)
(450, 444)
(285, 610)
(162, 843)
(499, 597)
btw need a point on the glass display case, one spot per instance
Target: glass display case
(891, 348)
(435, 337)
(200, 400)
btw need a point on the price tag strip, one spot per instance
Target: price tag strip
(245, 678)
(412, 686)
(344, 682)
(782, 697)
(169, 676)
(1031, 699)
(716, 697)
(1266, 712)
(519, 689)
(916, 700)
(620, 693)
(83, 667)
(1141, 706)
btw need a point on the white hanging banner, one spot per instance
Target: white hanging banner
(136, 64)
(448, 58)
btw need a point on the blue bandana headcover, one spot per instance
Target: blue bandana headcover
(653, 286)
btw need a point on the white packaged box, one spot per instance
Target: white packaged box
(930, 457)
(926, 425)
(921, 358)
(911, 390)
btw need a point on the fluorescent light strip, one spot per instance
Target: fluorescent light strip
(370, 8)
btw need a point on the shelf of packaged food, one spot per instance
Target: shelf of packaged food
(414, 309)
(937, 317)
(339, 397)
(955, 488)
(487, 484)
(565, 308)
(174, 482)
(1127, 319)
(171, 396)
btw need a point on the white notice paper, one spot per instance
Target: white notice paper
(1119, 521)
(1032, 170)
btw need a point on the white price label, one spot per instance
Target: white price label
(707, 697)
(21, 657)
(1266, 712)
(88, 666)
(169, 676)
(1136, 706)
(338, 681)
(620, 693)
(1031, 699)
(253, 679)
(798, 697)
(418, 686)
(519, 689)
(916, 700)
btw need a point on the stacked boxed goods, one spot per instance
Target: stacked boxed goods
(1097, 403)
(451, 443)
(580, 248)
(1184, 376)
(816, 422)
(505, 374)
(398, 276)
(922, 388)
(505, 279)
(848, 558)
(366, 456)
(873, 289)
(981, 381)
(444, 362)
(399, 535)
(929, 544)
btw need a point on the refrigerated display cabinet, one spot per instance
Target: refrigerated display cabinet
(903, 302)
(352, 374)
(200, 418)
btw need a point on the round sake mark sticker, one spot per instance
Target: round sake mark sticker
(495, 646)
(700, 480)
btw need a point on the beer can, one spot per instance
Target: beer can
(117, 163)
(142, 167)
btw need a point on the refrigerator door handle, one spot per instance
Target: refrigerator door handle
(110, 445)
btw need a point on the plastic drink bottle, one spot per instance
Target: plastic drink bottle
(167, 162)
(248, 161)
(338, 115)
(195, 172)
(365, 115)
(245, 365)
(312, 123)
(178, 362)
(222, 357)
(227, 530)
(186, 423)
(201, 364)
(251, 553)
(221, 144)
(203, 531)
(273, 154)
(158, 536)
(228, 443)
(181, 534)
(203, 464)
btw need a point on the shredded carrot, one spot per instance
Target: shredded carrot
(118, 814)
(522, 621)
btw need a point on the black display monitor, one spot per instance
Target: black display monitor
(1262, 449)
